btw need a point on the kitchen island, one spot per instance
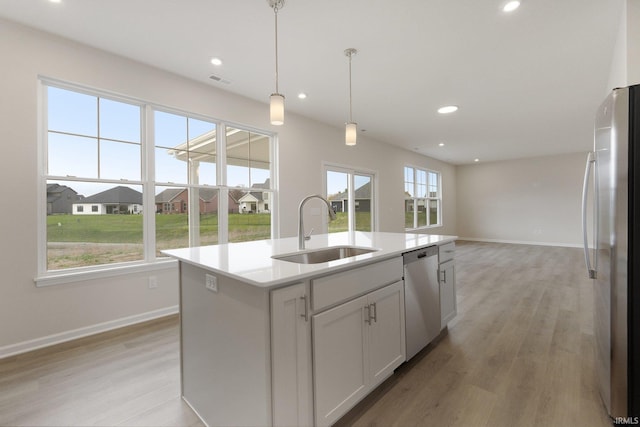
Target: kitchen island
(265, 341)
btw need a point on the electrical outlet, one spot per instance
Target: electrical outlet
(153, 282)
(211, 282)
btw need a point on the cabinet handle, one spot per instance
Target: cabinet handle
(305, 315)
(375, 312)
(443, 275)
(367, 318)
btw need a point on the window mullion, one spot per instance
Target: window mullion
(351, 215)
(221, 178)
(148, 184)
(42, 178)
(415, 200)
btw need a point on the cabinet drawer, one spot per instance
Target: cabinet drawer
(329, 290)
(446, 252)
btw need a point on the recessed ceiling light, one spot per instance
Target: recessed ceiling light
(476, 160)
(302, 95)
(511, 6)
(448, 109)
(55, 1)
(441, 144)
(216, 61)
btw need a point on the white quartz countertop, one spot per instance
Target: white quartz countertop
(252, 262)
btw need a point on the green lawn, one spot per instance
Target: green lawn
(83, 240)
(341, 223)
(128, 228)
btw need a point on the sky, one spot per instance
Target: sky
(101, 138)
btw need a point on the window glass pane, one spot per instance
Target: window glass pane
(433, 212)
(408, 182)
(202, 151)
(422, 212)
(101, 227)
(433, 184)
(72, 156)
(120, 160)
(338, 196)
(248, 158)
(119, 121)
(170, 130)
(363, 202)
(250, 219)
(72, 112)
(408, 213)
(172, 219)
(208, 214)
(421, 183)
(203, 166)
(201, 133)
(171, 165)
(185, 150)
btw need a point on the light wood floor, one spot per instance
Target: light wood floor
(519, 353)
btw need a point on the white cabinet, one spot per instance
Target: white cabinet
(291, 357)
(446, 271)
(356, 345)
(339, 350)
(386, 331)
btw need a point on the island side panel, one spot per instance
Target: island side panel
(225, 349)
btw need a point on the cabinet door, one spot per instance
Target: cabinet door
(386, 332)
(292, 398)
(448, 305)
(340, 375)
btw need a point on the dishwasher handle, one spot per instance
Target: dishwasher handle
(419, 254)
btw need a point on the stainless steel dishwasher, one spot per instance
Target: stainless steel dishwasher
(421, 298)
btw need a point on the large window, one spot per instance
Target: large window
(124, 180)
(423, 201)
(351, 194)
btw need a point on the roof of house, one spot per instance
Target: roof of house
(255, 194)
(362, 192)
(166, 196)
(266, 184)
(119, 194)
(54, 192)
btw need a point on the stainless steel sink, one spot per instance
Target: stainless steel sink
(323, 255)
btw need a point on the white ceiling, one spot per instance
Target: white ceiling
(527, 83)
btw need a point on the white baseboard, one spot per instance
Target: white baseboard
(25, 346)
(521, 242)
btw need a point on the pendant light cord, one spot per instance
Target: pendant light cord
(350, 103)
(275, 12)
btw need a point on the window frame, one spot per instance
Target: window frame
(351, 207)
(147, 183)
(427, 199)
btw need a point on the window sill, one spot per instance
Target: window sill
(426, 227)
(59, 278)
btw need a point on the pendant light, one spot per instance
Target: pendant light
(276, 103)
(350, 134)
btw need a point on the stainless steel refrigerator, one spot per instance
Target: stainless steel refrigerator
(611, 205)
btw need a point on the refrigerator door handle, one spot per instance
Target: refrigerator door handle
(585, 193)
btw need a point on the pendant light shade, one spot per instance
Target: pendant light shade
(351, 129)
(350, 134)
(277, 109)
(276, 104)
